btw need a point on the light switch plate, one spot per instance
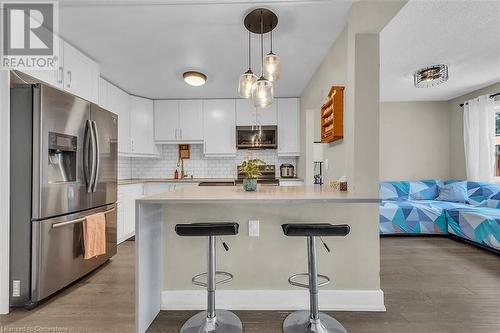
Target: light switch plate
(253, 228)
(326, 164)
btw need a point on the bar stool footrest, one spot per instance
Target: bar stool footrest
(325, 280)
(228, 277)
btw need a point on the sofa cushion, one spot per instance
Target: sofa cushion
(479, 194)
(453, 192)
(424, 189)
(412, 217)
(403, 190)
(478, 224)
(394, 190)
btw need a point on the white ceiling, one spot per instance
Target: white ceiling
(145, 46)
(465, 35)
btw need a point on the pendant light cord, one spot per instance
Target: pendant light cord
(271, 41)
(261, 44)
(249, 52)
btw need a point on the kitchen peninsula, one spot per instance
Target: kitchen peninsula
(261, 265)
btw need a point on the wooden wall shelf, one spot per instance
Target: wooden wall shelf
(332, 116)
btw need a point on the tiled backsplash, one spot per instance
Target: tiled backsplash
(198, 165)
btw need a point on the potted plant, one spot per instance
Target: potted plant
(250, 169)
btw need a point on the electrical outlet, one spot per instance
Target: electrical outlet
(253, 228)
(326, 164)
(16, 288)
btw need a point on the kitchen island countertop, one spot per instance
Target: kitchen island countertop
(263, 194)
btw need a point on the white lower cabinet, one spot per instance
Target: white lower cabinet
(127, 195)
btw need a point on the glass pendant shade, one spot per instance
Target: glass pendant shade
(262, 93)
(247, 81)
(272, 67)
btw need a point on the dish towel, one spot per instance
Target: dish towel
(94, 235)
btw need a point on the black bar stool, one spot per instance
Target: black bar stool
(312, 321)
(212, 320)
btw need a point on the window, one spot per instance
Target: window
(497, 137)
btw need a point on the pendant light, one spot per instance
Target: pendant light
(272, 64)
(248, 78)
(262, 92)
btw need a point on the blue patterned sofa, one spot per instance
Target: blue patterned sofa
(410, 207)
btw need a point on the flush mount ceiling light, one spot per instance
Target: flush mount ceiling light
(260, 21)
(194, 78)
(430, 76)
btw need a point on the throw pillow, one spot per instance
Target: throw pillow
(428, 194)
(454, 192)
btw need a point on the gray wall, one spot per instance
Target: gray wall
(457, 154)
(414, 140)
(352, 61)
(266, 262)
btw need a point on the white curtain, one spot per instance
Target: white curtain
(479, 139)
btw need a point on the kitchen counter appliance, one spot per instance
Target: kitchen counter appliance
(287, 170)
(267, 176)
(63, 169)
(256, 137)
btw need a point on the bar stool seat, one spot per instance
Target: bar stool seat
(211, 320)
(207, 229)
(312, 321)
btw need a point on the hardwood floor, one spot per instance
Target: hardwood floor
(431, 285)
(101, 302)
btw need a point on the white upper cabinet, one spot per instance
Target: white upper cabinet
(55, 77)
(166, 116)
(77, 73)
(117, 101)
(81, 74)
(246, 113)
(191, 120)
(219, 127)
(269, 115)
(178, 121)
(142, 126)
(288, 127)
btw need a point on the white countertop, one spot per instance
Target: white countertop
(264, 194)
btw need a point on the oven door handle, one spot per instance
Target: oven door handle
(81, 219)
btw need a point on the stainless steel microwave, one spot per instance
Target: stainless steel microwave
(256, 137)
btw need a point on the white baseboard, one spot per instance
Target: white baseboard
(329, 300)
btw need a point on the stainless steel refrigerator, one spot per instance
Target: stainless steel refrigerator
(63, 168)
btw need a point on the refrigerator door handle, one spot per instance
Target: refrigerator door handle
(97, 157)
(94, 157)
(87, 149)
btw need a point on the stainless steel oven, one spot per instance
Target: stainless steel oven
(63, 168)
(257, 137)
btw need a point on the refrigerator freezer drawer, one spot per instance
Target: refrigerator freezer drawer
(57, 251)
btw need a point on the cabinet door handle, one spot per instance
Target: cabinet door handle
(69, 79)
(180, 131)
(60, 75)
(175, 133)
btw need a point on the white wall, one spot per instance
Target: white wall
(457, 155)
(414, 140)
(4, 190)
